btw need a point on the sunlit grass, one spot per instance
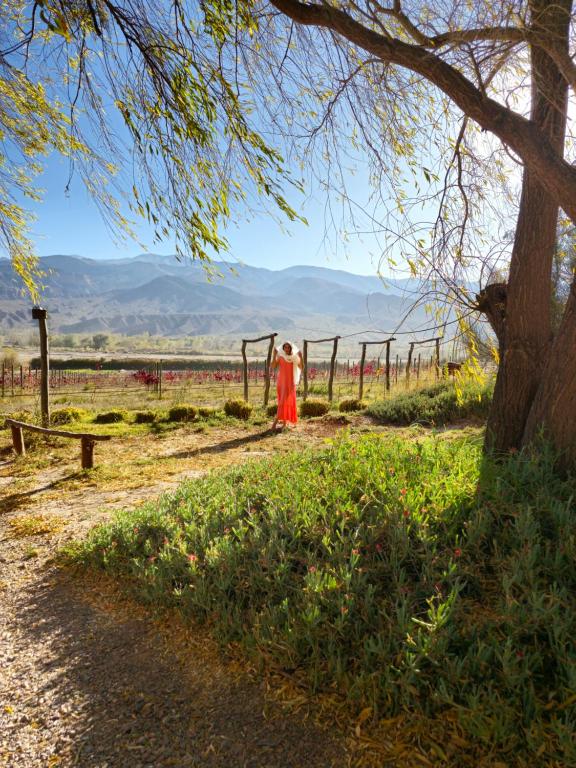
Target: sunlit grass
(409, 576)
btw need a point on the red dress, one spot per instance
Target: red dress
(286, 392)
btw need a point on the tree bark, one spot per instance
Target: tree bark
(527, 329)
(553, 412)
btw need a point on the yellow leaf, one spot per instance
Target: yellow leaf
(364, 715)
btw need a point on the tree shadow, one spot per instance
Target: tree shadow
(226, 445)
(16, 501)
(133, 701)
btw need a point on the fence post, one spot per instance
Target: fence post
(18, 440)
(305, 365)
(267, 371)
(332, 367)
(437, 358)
(245, 369)
(40, 314)
(362, 360)
(409, 363)
(418, 368)
(387, 366)
(160, 380)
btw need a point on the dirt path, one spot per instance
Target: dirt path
(87, 679)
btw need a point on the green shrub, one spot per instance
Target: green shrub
(182, 413)
(67, 415)
(111, 417)
(346, 406)
(23, 415)
(272, 409)
(314, 408)
(412, 577)
(145, 417)
(240, 409)
(436, 405)
(207, 413)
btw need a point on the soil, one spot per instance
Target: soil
(88, 678)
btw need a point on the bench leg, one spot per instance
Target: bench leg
(87, 448)
(18, 440)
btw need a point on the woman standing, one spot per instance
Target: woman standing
(288, 360)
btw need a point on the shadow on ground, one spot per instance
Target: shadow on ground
(226, 445)
(124, 700)
(16, 501)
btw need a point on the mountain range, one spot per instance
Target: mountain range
(161, 296)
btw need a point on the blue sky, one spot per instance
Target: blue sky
(72, 224)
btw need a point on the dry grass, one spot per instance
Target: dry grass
(35, 525)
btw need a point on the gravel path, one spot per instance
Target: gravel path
(89, 680)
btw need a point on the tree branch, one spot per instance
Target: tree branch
(520, 134)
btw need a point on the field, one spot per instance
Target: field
(392, 587)
(145, 383)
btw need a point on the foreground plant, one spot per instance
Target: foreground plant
(407, 575)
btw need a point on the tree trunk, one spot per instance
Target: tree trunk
(527, 329)
(553, 411)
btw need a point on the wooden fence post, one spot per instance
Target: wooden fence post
(40, 314)
(409, 363)
(18, 440)
(362, 360)
(437, 358)
(332, 367)
(245, 369)
(387, 366)
(418, 368)
(305, 366)
(268, 371)
(87, 453)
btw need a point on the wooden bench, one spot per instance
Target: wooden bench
(87, 440)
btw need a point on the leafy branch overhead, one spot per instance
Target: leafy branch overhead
(193, 152)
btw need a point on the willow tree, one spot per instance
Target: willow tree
(476, 56)
(187, 152)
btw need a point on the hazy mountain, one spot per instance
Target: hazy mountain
(160, 295)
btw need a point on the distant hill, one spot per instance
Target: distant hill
(163, 296)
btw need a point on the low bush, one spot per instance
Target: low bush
(182, 413)
(436, 405)
(29, 417)
(314, 407)
(67, 415)
(207, 413)
(272, 409)
(347, 406)
(145, 417)
(240, 409)
(411, 577)
(111, 417)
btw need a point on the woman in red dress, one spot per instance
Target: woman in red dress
(288, 360)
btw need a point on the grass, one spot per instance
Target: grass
(413, 577)
(436, 405)
(35, 525)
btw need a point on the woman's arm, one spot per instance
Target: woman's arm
(275, 362)
(300, 361)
